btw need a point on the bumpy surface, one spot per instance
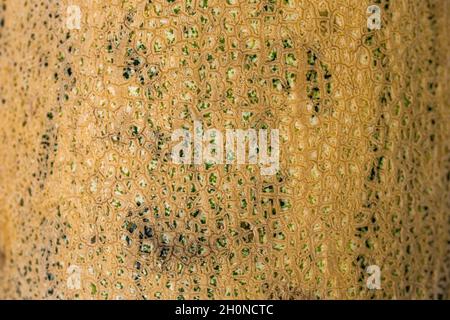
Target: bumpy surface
(91, 205)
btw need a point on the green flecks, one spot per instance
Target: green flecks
(311, 58)
(253, 96)
(177, 10)
(290, 79)
(221, 242)
(277, 84)
(288, 43)
(93, 289)
(145, 248)
(317, 79)
(170, 36)
(272, 55)
(190, 32)
(284, 204)
(290, 60)
(250, 61)
(375, 171)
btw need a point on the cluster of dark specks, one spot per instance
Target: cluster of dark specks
(37, 111)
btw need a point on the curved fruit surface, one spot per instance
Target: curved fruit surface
(91, 205)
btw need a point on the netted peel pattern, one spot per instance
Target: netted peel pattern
(91, 205)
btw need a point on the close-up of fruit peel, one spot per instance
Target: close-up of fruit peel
(250, 150)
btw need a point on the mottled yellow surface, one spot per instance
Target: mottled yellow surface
(91, 205)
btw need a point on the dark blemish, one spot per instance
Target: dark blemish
(311, 75)
(134, 130)
(131, 227)
(376, 169)
(126, 73)
(2, 259)
(287, 43)
(129, 17)
(148, 232)
(164, 253)
(49, 147)
(311, 58)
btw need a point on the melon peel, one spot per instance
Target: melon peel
(91, 206)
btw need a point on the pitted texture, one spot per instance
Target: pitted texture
(91, 205)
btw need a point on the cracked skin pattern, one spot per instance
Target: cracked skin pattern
(92, 207)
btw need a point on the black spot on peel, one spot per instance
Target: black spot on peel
(48, 148)
(158, 244)
(2, 259)
(319, 84)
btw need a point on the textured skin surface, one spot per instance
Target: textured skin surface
(92, 207)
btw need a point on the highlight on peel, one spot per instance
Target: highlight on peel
(92, 205)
